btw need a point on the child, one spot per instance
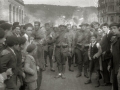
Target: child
(31, 68)
(94, 53)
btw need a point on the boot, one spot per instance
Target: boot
(97, 84)
(88, 81)
(63, 76)
(71, 69)
(79, 72)
(52, 70)
(58, 76)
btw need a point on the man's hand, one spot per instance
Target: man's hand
(108, 68)
(38, 68)
(23, 75)
(90, 58)
(95, 56)
(9, 72)
(104, 52)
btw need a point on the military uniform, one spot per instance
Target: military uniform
(61, 52)
(39, 40)
(82, 41)
(71, 42)
(50, 41)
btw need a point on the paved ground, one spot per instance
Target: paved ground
(70, 83)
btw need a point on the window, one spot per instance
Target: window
(17, 14)
(22, 17)
(112, 19)
(10, 13)
(13, 14)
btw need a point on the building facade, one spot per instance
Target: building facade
(12, 11)
(109, 11)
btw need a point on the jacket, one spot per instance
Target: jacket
(30, 69)
(8, 60)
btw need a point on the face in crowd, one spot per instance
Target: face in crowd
(93, 39)
(29, 30)
(83, 27)
(95, 26)
(2, 40)
(69, 26)
(105, 29)
(17, 30)
(37, 25)
(74, 27)
(115, 30)
(47, 26)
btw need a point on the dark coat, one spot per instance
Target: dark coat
(8, 60)
(106, 45)
(116, 54)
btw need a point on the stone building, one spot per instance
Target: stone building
(12, 11)
(109, 11)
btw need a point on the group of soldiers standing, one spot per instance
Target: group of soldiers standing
(26, 49)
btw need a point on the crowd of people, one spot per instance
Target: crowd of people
(25, 50)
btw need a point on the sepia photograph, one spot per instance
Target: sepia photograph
(59, 44)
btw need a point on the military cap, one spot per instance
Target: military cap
(15, 23)
(47, 24)
(83, 24)
(114, 24)
(2, 33)
(11, 41)
(28, 25)
(31, 47)
(37, 23)
(6, 26)
(93, 23)
(21, 40)
(15, 27)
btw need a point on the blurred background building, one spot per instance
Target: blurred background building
(109, 11)
(12, 11)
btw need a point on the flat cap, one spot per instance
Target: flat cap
(6, 26)
(114, 24)
(31, 47)
(21, 40)
(12, 40)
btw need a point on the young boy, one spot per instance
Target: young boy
(94, 53)
(31, 68)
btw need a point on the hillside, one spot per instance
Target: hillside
(54, 13)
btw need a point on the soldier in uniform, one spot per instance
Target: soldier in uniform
(39, 37)
(49, 45)
(82, 40)
(61, 52)
(71, 40)
(74, 29)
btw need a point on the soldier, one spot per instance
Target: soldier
(50, 44)
(39, 37)
(61, 52)
(71, 39)
(82, 40)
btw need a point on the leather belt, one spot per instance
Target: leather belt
(61, 46)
